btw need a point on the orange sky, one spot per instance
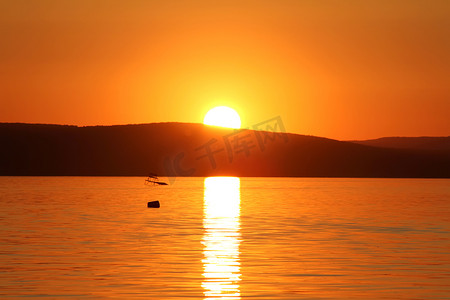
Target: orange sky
(338, 69)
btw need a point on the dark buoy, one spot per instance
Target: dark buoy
(154, 204)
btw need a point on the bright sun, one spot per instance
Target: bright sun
(222, 116)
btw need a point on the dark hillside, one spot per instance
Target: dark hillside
(181, 149)
(440, 144)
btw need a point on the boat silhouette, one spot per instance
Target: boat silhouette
(153, 179)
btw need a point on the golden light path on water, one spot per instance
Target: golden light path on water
(221, 238)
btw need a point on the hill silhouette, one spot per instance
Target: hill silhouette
(420, 143)
(184, 149)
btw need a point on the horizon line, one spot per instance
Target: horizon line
(196, 123)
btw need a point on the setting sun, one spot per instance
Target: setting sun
(223, 116)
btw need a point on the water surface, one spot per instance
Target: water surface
(224, 238)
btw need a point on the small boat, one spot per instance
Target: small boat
(152, 179)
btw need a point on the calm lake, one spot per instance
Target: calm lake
(224, 238)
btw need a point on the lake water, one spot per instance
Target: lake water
(224, 238)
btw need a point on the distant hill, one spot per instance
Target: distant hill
(182, 149)
(420, 143)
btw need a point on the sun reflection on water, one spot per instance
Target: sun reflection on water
(221, 238)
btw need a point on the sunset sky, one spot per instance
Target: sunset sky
(338, 69)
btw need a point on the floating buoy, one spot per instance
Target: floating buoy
(153, 204)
